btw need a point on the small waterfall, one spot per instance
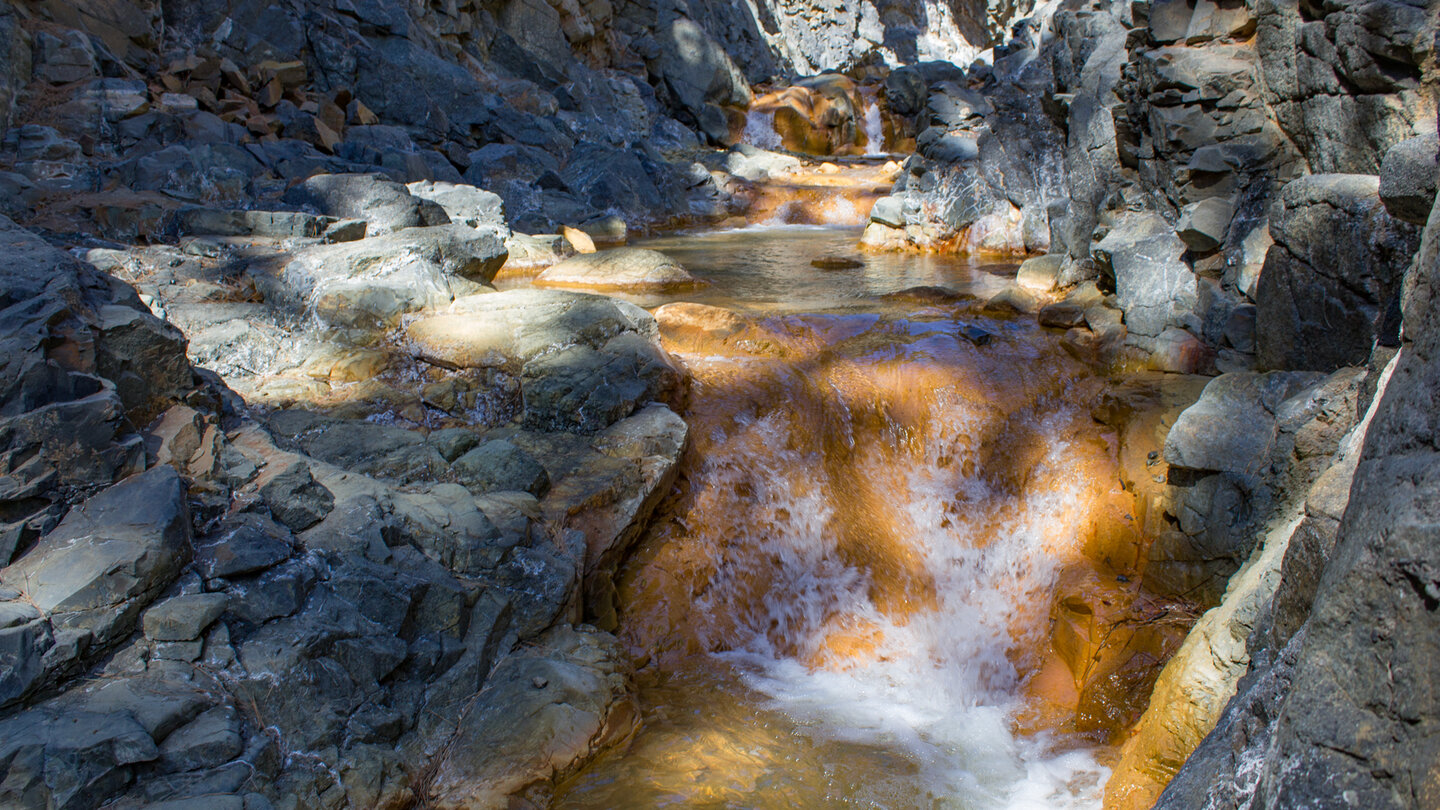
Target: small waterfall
(873, 125)
(760, 130)
(875, 516)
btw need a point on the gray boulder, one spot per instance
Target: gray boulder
(546, 710)
(243, 544)
(500, 465)
(696, 69)
(57, 757)
(1408, 176)
(1202, 225)
(295, 498)
(183, 618)
(1232, 427)
(84, 585)
(466, 205)
(585, 388)
(385, 204)
(374, 281)
(1155, 287)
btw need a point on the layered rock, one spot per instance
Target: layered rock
(1324, 655)
(372, 569)
(1194, 115)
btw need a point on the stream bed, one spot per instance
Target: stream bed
(845, 602)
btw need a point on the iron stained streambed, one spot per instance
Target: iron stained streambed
(846, 601)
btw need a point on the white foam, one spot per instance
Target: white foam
(940, 687)
(874, 127)
(760, 130)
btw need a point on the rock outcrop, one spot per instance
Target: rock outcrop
(309, 605)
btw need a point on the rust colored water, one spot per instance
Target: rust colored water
(846, 601)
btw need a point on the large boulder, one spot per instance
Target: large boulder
(698, 72)
(465, 205)
(1232, 427)
(1249, 447)
(622, 269)
(65, 429)
(82, 588)
(1331, 275)
(385, 204)
(584, 361)
(374, 281)
(1408, 176)
(1155, 287)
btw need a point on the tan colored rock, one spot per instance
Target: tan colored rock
(1194, 687)
(289, 74)
(695, 327)
(578, 239)
(1040, 274)
(341, 365)
(634, 269)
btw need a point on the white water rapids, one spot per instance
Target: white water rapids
(846, 604)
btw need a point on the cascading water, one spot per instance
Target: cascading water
(872, 124)
(845, 602)
(760, 130)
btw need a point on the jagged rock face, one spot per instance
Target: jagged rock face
(1340, 675)
(65, 429)
(1334, 269)
(1344, 79)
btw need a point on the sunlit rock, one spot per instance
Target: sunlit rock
(621, 269)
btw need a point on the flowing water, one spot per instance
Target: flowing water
(845, 602)
(871, 121)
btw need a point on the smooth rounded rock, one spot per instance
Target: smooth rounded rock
(635, 269)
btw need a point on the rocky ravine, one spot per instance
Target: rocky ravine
(297, 511)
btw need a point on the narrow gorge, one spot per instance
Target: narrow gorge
(597, 404)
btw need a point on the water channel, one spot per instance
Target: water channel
(845, 601)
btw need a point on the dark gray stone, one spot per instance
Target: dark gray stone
(585, 389)
(1408, 177)
(242, 544)
(385, 204)
(1335, 266)
(183, 618)
(211, 739)
(500, 465)
(90, 578)
(1202, 225)
(296, 499)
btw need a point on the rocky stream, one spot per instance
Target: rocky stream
(984, 404)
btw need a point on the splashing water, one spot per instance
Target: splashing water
(874, 127)
(844, 605)
(760, 130)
